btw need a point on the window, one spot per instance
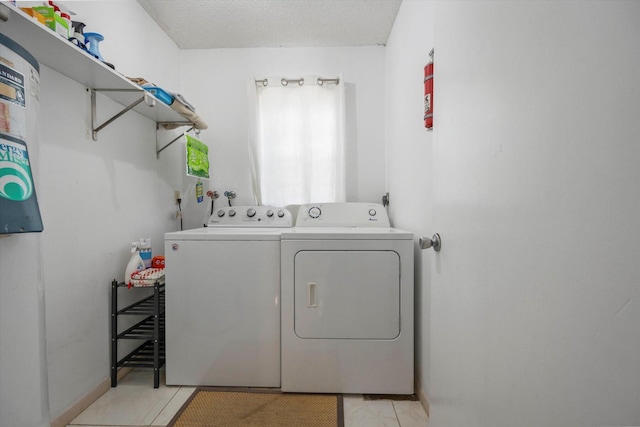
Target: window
(297, 141)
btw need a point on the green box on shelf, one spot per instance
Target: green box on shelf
(53, 20)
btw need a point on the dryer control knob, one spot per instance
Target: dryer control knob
(280, 214)
(251, 212)
(232, 213)
(270, 213)
(314, 212)
(220, 213)
(372, 212)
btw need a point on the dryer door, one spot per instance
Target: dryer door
(347, 294)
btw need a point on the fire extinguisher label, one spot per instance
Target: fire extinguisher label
(427, 105)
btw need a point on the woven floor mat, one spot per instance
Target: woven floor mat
(213, 407)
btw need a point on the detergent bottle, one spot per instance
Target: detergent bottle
(145, 251)
(135, 263)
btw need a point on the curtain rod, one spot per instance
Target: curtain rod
(300, 81)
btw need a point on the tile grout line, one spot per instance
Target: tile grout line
(164, 407)
(395, 412)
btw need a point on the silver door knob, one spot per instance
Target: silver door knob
(434, 242)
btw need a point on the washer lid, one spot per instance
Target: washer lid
(345, 233)
(212, 233)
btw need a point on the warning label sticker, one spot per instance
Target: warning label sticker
(11, 85)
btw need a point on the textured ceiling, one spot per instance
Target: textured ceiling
(210, 24)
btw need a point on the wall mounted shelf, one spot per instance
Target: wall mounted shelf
(57, 53)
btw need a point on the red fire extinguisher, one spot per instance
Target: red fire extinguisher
(428, 93)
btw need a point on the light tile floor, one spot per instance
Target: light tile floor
(134, 402)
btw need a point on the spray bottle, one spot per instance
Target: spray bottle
(135, 263)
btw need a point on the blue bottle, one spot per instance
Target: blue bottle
(91, 40)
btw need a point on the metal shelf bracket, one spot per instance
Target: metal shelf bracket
(160, 150)
(95, 129)
(148, 99)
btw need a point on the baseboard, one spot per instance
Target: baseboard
(424, 398)
(86, 401)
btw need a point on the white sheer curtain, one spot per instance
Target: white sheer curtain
(296, 139)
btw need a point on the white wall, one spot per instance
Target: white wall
(23, 371)
(408, 153)
(95, 198)
(216, 83)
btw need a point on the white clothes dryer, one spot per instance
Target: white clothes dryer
(223, 299)
(347, 302)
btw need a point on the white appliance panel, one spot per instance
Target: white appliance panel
(350, 214)
(330, 285)
(251, 216)
(223, 312)
(219, 233)
(347, 365)
(345, 233)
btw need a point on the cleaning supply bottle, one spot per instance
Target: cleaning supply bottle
(145, 251)
(135, 263)
(67, 19)
(91, 41)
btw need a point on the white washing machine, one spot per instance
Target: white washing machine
(223, 299)
(347, 302)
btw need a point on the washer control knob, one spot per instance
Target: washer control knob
(220, 213)
(280, 214)
(372, 212)
(232, 213)
(270, 213)
(251, 212)
(314, 212)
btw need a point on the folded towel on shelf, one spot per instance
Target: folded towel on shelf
(178, 97)
(138, 80)
(191, 116)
